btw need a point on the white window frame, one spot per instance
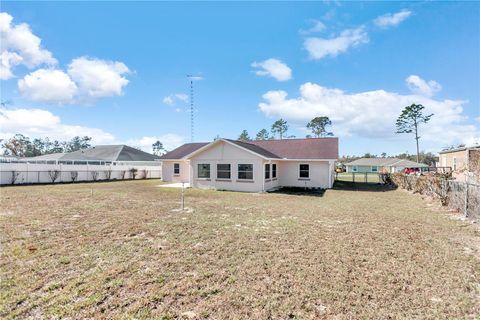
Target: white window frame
(268, 173)
(229, 171)
(300, 170)
(274, 172)
(176, 173)
(209, 170)
(238, 171)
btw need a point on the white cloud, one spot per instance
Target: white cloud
(317, 26)
(419, 86)
(43, 123)
(370, 114)
(195, 78)
(97, 78)
(18, 45)
(87, 79)
(273, 68)
(390, 20)
(182, 97)
(170, 141)
(39, 123)
(171, 99)
(168, 100)
(319, 48)
(48, 85)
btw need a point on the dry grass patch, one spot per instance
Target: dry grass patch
(126, 253)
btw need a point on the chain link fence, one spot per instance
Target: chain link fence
(463, 197)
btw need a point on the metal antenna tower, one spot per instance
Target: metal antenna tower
(190, 78)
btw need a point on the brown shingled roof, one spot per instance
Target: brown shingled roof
(254, 148)
(311, 148)
(183, 150)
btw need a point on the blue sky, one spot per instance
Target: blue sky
(116, 70)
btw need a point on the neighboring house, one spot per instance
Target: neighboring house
(385, 165)
(253, 166)
(462, 161)
(99, 155)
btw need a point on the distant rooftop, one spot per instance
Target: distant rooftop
(477, 147)
(386, 162)
(102, 152)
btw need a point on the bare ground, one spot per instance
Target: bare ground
(126, 252)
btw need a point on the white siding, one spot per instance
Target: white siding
(320, 175)
(226, 153)
(169, 176)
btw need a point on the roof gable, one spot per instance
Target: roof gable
(183, 151)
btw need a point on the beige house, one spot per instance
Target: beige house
(253, 166)
(464, 161)
(381, 165)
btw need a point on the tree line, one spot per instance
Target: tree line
(279, 129)
(21, 146)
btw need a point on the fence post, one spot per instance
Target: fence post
(466, 199)
(366, 177)
(353, 175)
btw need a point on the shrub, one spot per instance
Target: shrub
(133, 172)
(108, 174)
(54, 174)
(94, 175)
(74, 175)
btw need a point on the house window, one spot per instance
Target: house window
(274, 170)
(267, 171)
(203, 170)
(245, 171)
(374, 169)
(223, 171)
(304, 171)
(354, 168)
(176, 168)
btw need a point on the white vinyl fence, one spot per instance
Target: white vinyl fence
(27, 173)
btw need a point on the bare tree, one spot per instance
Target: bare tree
(14, 178)
(54, 174)
(74, 175)
(94, 175)
(108, 174)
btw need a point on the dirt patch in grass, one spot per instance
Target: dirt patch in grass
(126, 252)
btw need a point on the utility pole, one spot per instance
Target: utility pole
(190, 78)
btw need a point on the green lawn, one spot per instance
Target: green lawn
(126, 252)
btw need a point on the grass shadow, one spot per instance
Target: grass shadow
(299, 191)
(358, 186)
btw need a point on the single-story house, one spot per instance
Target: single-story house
(99, 155)
(253, 166)
(376, 165)
(463, 161)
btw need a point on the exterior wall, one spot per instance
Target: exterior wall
(271, 183)
(168, 173)
(458, 161)
(40, 173)
(320, 174)
(224, 153)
